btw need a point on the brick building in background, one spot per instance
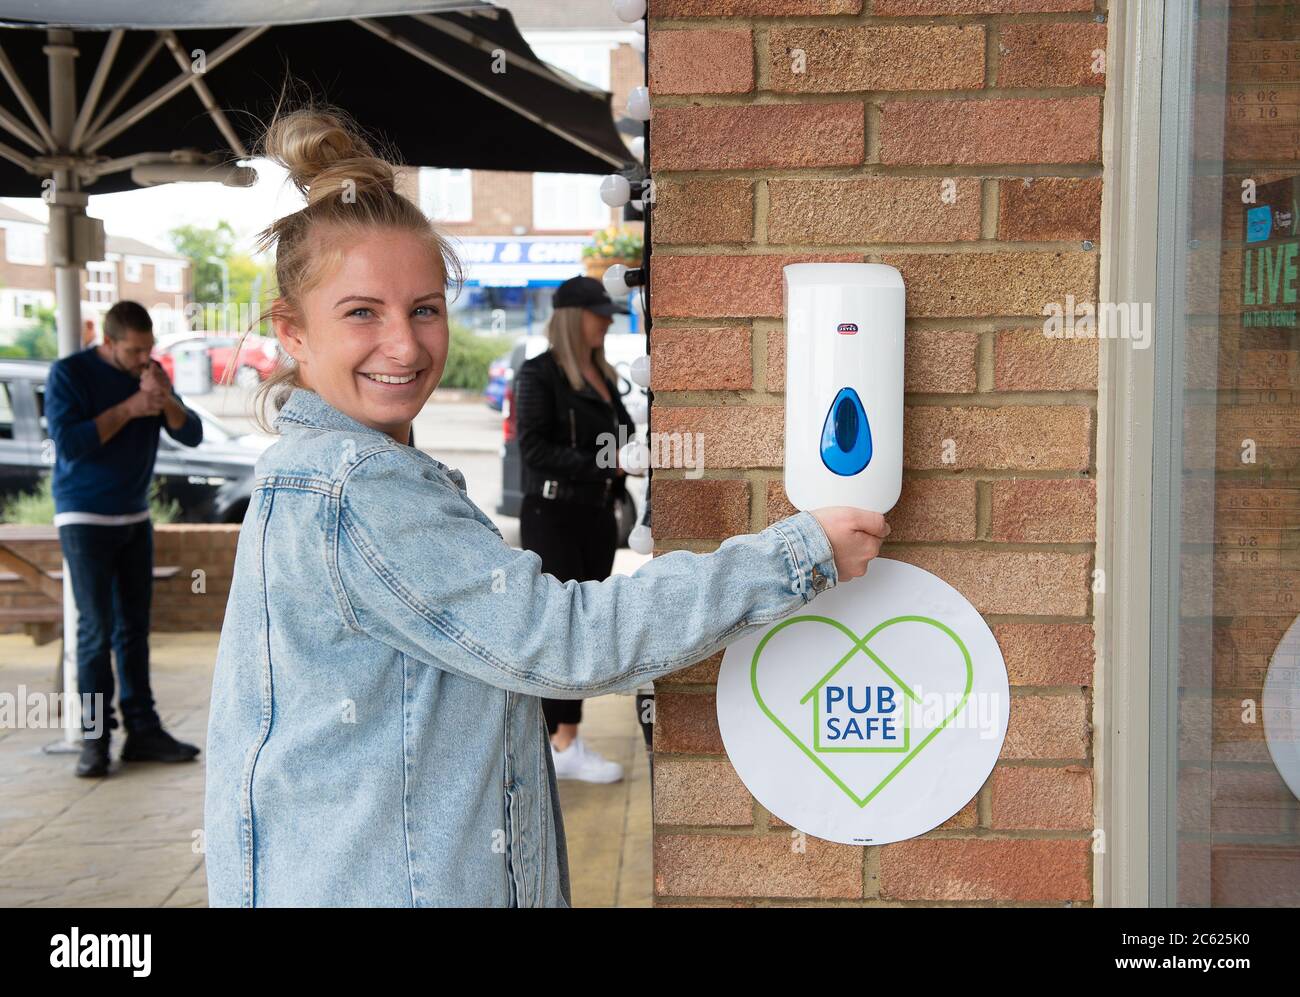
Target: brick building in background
(972, 145)
(160, 279)
(521, 234)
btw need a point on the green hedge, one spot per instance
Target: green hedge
(468, 358)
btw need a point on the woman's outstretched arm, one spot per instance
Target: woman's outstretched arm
(417, 570)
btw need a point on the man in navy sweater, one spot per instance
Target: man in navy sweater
(106, 406)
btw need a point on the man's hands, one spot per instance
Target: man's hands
(855, 536)
(154, 397)
(155, 379)
(148, 401)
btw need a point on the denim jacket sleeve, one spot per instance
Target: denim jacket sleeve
(414, 567)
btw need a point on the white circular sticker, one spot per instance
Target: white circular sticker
(1282, 707)
(873, 714)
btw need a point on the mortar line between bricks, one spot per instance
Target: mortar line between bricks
(726, 398)
(915, 323)
(952, 546)
(949, 834)
(676, 900)
(867, 171)
(990, 200)
(981, 246)
(1091, 170)
(776, 98)
(863, 19)
(757, 503)
(992, 53)
(985, 360)
(763, 475)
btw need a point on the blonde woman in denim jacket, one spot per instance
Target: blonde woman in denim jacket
(376, 734)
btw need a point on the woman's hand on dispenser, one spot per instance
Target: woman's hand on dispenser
(855, 536)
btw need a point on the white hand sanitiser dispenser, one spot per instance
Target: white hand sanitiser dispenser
(843, 385)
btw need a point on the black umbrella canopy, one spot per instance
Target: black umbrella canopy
(421, 76)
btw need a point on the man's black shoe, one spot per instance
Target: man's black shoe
(93, 761)
(156, 746)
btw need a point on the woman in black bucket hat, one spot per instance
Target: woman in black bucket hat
(571, 424)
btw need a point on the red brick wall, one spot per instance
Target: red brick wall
(757, 166)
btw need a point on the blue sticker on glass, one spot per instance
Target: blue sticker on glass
(1259, 223)
(846, 434)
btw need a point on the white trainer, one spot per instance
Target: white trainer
(577, 761)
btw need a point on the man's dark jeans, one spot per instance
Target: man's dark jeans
(111, 568)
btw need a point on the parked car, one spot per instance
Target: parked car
(257, 357)
(498, 374)
(620, 350)
(211, 482)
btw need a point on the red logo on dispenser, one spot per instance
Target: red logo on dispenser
(847, 328)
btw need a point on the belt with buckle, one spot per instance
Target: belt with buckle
(599, 493)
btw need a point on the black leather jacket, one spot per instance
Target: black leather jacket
(560, 429)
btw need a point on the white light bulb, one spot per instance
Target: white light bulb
(638, 104)
(615, 190)
(641, 372)
(615, 281)
(637, 145)
(634, 458)
(639, 27)
(641, 540)
(629, 10)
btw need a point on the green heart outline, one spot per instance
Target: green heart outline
(859, 644)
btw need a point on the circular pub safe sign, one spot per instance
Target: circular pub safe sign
(873, 715)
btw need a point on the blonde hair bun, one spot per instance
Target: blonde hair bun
(326, 155)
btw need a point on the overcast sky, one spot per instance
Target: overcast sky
(150, 213)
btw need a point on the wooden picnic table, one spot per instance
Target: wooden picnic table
(42, 619)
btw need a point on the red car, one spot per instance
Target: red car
(258, 357)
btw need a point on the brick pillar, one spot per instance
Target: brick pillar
(958, 140)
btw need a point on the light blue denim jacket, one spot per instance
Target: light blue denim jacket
(376, 734)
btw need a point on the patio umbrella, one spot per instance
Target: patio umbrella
(109, 95)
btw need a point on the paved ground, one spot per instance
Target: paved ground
(131, 839)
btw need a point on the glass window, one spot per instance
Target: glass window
(101, 283)
(167, 276)
(25, 244)
(568, 201)
(447, 195)
(1225, 653)
(6, 413)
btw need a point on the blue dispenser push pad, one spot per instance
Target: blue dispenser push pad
(846, 435)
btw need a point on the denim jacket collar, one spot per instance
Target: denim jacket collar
(305, 407)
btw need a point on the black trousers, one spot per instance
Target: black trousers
(576, 543)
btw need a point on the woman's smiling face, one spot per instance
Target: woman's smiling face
(373, 339)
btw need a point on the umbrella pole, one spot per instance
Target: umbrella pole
(66, 204)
